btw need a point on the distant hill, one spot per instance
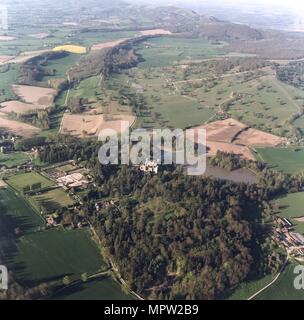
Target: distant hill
(222, 30)
(117, 14)
(184, 21)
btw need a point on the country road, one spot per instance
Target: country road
(68, 93)
(271, 283)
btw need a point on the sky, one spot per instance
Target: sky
(269, 7)
(291, 4)
(295, 5)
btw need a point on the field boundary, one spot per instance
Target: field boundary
(26, 200)
(28, 203)
(272, 282)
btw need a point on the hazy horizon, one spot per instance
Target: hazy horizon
(240, 10)
(268, 14)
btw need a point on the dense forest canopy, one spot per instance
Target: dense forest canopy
(175, 236)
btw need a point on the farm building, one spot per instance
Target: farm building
(283, 235)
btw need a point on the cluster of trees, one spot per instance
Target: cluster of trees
(194, 255)
(106, 61)
(136, 100)
(77, 105)
(90, 65)
(33, 187)
(17, 292)
(274, 47)
(292, 74)
(180, 237)
(231, 162)
(174, 236)
(219, 67)
(28, 143)
(32, 71)
(38, 118)
(64, 147)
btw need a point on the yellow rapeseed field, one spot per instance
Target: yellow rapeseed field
(71, 48)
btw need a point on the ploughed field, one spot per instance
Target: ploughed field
(18, 128)
(232, 136)
(31, 98)
(92, 125)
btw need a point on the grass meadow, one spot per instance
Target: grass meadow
(283, 288)
(288, 160)
(20, 181)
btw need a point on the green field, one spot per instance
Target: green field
(61, 65)
(89, 38)
(87, 89)
(167, 51)
(16, 218)
(66, 168)
(36, 256)
(292, 206)
(181, 112)
(50, 255)
(166, 104)
(47, 202)
(104, 289)
(53, 200)
(13, 159)
(283, 289)
(289, 160)
(247, 289)
(16, 211)
(20, 181)
(25, 42)
(17, 46)
(180, 94)
(264, 102)
(6, 80)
